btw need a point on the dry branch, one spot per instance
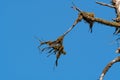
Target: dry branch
(109, 65)
(104, 4)
(74, 24)
(90, 17)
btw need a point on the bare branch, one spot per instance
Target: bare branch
(109, 23)
(87, 16)
(104, 4)
(109, 65)
(79, 19)
(75, 8)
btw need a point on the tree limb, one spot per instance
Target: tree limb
(109, 65)
(104, 4)
(109, 23)
(87, 15)
(90, 17)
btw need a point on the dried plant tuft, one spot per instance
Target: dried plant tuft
(54, 47)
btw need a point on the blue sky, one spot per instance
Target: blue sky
(87, 54)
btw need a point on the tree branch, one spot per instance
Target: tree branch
(74, 24)
(87, 16)
(104, 4)
(109, 23)
(109, 65)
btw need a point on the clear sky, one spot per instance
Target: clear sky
(87, 54)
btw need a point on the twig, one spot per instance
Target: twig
(104, 4)
(79, 19)
(109, 65)
(70, 28)
(76, 8)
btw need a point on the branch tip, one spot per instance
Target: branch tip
(104, 4)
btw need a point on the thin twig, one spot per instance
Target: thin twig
(70, 28)
(104, 4)
(77, 20)
(76, 8)
(74, 24)
(109, 65)
(37, 39)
